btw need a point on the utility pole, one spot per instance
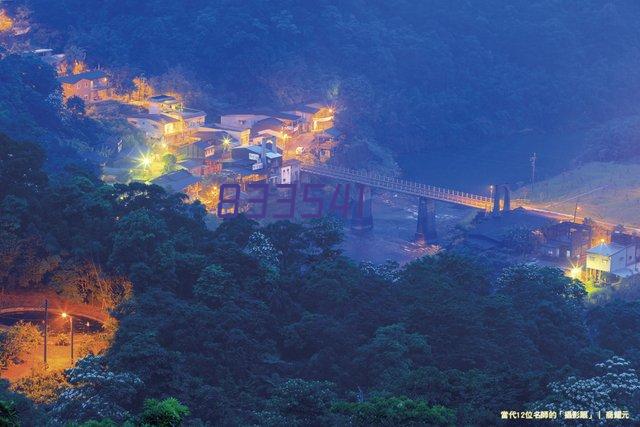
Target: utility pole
(46, 316)
(533, 170)
(71, 323)
(64, 316)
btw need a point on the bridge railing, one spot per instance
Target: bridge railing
(385, 181)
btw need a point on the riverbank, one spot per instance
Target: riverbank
(394, 226)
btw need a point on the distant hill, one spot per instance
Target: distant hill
(407, 74)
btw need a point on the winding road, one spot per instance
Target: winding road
(18, 302)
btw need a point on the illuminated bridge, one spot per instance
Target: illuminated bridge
(427, 195)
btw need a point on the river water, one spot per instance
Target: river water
(470, 168)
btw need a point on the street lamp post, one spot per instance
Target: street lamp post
(46, 316)
(65, 315)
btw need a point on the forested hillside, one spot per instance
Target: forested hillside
(31, 108)
(272, 325)
(407, 74)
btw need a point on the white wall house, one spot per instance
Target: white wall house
(612, 259)
(155, 125)
(289, 172)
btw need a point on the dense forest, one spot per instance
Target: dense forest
(406, 75)
(272, 325)
(31, 107)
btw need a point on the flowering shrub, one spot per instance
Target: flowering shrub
(618, 388)
(97, 393)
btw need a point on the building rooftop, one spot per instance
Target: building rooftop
(302, 109)
(191, 163)
(310, 107)
(211, 136)
(240, 167)
(176, 181)
(285, 116)
(160, 118)
(605, 249)
(267, 124)
(221, 127)
(88, 75)
(162, 99)
(272, 155)
(332, 132)
(203, 144)
(257, 149)
(292, 162)
(497, 228)
(188, 113)
(263, 112)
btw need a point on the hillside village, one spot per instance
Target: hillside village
(187, 150)
(190, 152)
(406, 253)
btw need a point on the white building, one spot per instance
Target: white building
(612, 259)
(156, 125)
(163, 103)
(289, 172)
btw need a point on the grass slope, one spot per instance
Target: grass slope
(603, 191)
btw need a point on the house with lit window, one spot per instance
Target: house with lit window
(314, 117)
(287, 122)
(160, 104)
(198, 150)
(256, 157)
(566, 240)
(169, 120)
(325, 143)
(289, 172)
(208, 143)
(608, 262)
(269, 127)
(291, 123)
(157, 126)
(192, 118)
(90, 86)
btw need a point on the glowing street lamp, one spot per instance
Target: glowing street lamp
(285, 138)
(64, 315)
(144, 161)
(575, 272)
(226, 143)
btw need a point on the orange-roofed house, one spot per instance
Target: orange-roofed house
(90, 86)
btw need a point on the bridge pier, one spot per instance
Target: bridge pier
(361, 214)
(495, 200)
(506, 205)
(500, 193)
(426, 230)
